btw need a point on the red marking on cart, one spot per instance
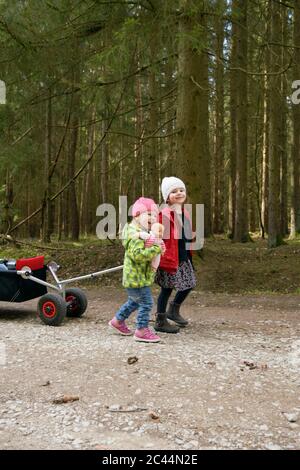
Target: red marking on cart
(49, 309)
(32, 263)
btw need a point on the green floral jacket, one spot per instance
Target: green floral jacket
(137, 271)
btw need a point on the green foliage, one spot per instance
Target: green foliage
(79, 53)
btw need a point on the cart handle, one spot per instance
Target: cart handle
(26, 273)
(91, 276)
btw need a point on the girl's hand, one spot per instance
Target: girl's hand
(163, 248)
(150, 241)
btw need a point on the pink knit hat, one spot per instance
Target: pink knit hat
(143, 204)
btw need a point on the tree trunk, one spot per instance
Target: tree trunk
(233, 122)
(7, 220)
(219, 189)
(152, 182)
(73, 219)
(284, 229)
(87, 205)
(274, 232)
(104, 159)
(295, 219)
(265, 157)
(46, 212)
(241, 213)
(72, 200)
(139, 153)
(192, 110)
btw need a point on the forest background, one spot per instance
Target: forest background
(105, 98)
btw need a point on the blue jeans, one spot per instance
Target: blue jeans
(139, 299)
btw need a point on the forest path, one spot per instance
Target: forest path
(229, 380)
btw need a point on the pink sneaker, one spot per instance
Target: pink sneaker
(146, 335)
(120, 327)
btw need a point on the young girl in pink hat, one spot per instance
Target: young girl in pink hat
(138, 273)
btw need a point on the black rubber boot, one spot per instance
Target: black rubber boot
(174, 315)
(162, 324)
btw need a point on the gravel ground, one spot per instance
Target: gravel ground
(230, 380)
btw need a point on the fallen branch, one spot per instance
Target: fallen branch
(7, 238)
(18, 243)
(65, 399)
(128, 410)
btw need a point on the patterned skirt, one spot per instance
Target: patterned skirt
(183, 279)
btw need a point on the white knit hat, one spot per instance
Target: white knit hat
(169, 183)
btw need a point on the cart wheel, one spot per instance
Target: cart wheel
(76, 302)
(52, 309)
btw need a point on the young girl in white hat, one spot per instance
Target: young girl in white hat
(176, 269)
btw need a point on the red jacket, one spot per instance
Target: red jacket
(169, 261)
